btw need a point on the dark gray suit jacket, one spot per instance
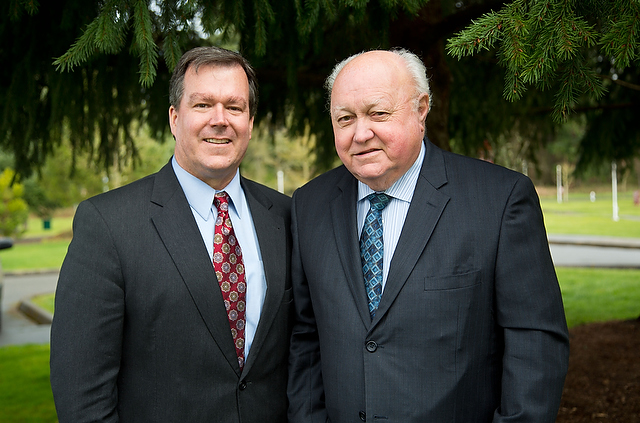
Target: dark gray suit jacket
(471, 325)
(140, 333)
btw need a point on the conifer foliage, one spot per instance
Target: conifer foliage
(552, 43)
(92, 70)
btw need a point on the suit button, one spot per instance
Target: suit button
(242, 386)
(371, 346)
(363, 416)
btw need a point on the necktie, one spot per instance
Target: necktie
(229, 267)
(372, 250)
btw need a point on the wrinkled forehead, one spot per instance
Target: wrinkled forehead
(371, 82)
(381, 68)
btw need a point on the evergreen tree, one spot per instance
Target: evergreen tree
(113, 59)
(586, 53)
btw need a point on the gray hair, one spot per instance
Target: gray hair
(414, 65)
(217, 56)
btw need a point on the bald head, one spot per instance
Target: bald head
(410, 61)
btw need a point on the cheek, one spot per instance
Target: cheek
(342, 141)
(185, 126)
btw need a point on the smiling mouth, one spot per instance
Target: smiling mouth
(216, 141)
(363, 153)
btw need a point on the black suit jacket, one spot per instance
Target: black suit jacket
(140, 332)
(470, 327)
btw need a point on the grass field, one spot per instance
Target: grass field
(47, 254)
(39, 248)
(599, 295)
(25, 393)
(580, 216)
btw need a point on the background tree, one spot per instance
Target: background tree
(114, 59)
(13, 208)
(585, 52)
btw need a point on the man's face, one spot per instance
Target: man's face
(378, 120)
(212, 126)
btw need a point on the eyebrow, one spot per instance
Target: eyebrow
(371, 103)
(196, 97)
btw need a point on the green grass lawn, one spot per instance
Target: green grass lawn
(580, 216)
(25, 392)
(599, 295)
(57, 225)
(44, 301)
(39, 248)
(47, 254)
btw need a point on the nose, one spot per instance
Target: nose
(217, 116)
(363, 131)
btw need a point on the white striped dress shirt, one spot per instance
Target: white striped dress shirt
(393, 216)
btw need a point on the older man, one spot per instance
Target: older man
(423, 284)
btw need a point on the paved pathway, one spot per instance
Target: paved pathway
(16, 327)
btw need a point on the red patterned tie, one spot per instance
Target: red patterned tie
(229, 267)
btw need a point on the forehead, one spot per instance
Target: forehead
(216, 78)
(371, 78)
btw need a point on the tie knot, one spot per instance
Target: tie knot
(221, 200)
(379, 201)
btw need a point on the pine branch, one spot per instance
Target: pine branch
(514, 86)
(144, 44)
(622, 40)
(577, 79)
(171, 50)
(80, 51)
(534, 39)
(513, 52)
(16, 7)
(412, 7)
(109, 37)
(482, 34)
(263, 14)
(308, 15)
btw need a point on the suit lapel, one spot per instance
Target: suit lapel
(343, 215)
(271, 231)
(179, 232)
(427, 205)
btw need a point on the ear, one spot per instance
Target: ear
(173, 116)
(251, 126)
(423, 106)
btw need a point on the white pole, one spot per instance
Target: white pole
(614, 190)
(559, 182)
(565, 185)
(280, 181)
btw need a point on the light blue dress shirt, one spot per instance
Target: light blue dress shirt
(200, 198)
(394, 215)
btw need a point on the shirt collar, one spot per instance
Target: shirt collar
(200, 195)
(403, 188)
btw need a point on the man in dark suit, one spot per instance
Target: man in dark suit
(156, 318)
(423, 285)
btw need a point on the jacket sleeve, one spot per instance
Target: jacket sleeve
(305, 388)
(87, 328)
(530, 312)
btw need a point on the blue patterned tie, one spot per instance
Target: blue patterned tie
(372, 250)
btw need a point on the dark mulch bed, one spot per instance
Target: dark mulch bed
(603, 383)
